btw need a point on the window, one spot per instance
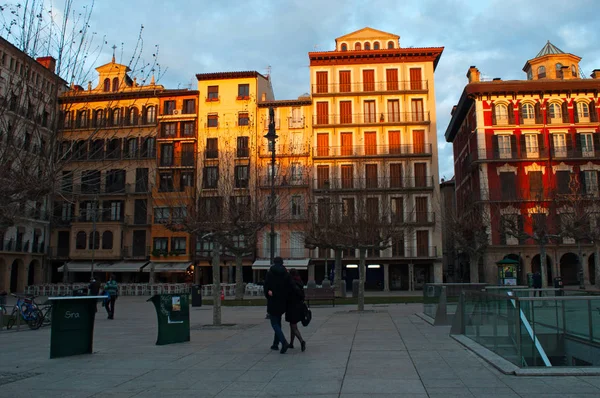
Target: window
(106, 85)
(165, 182)
(390, 45)
(90, 181)
(501, 114)
(178, 245)
(322, 82)
(161, 245)
(169, 130)
(368, 80)
(531, 145)
(211, 177)
(583, 110)
(393, 111)
(560, 145)
(372, 207)
(151, 114)
(148, 147)
(179, 214)
(107, 240)
(115, 84)
(187, 180)
(189, 106)
(357, 46)
(347, 171)
(212, 148)
(559, 72)
(554, 111)
(423, 243)
(296, 173)
(367, 46)
(348, 210)
(113, 210)
(529, 74)
(563, 180)
(345, 112)
(240, 207)
(213, 93)
(508, 185)
(242, 147)
(187, 154)
(241, 176)
(243, 91)
(420, 173)
(80, 240)
(536, 188)
(587, 144)
(369, 108)
(187, 129)
(113, 150)
(397, 210)
(417, 110)
(115, 181)
(94, 240)
(322, 177)
(371, 177)
(243, 119)
(573, 70)
(376, 45)
(296, 206)
(391, 77)
(396, 175)
(168, 107)
(527, 113)
(504, 148)
(133, 116)
(416, 80)
(162, 215)
(590, 182)
(344, 47)
(541, 71)
(98, 120)
(82, 119)
(213, 120)
(370, 142)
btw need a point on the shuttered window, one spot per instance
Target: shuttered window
(345, 112)
(391, 77)
(419, 141)
(368, 80)
(322, 82)
(345, 86)
(346, 141)
(371, 175)
(416, 82)
(323, 144)
(347, 176)
(322, 176)
(394, 142)
(370, 143)
(396, 175)
(322, 113)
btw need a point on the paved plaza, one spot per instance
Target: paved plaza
(387, 352)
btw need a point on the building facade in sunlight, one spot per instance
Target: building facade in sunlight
(526, 150)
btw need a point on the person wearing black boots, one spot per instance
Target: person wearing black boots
(295, 309)
(278, 285)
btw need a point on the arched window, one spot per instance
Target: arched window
(151, 114)
(376, 45)
(107, 84)
(116, 116)
(357, 46)
(94, 242)
(529, 74)
(554, 111)
(80, 240)
(573, 71)
(82, 118)
(115, 86)
(390, 44)
(99, 118)
(501, 112)
(583, 110)
(344, 47)
(541, 72)
(559, 72)
(113, 151)
(107, 240)
(133, 116)
(367, 46)
(132, 147)
(527, 112)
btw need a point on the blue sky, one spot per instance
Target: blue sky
(200, 36)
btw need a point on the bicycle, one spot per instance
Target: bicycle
(28, 310)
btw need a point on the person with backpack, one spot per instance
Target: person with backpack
(296, 309)
(112, 290)
(278, 285)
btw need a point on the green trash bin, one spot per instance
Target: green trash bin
(173, 312)
(72, 331)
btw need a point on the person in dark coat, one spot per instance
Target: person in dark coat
(295, 309)
(278, 285)
(94, 290)
(537, 283)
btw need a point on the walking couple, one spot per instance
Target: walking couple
(285, 294)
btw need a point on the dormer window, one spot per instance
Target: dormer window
(541, 72)
(376, 45)
(390, 44)
(115, 84)
(559, 72)
(344, 47)
(573, 71)
(106, 85)
(357, 46)
(367, 46)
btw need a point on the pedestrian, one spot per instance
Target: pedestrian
(537, 283)
(112, 289)
(278, 285)
(94, 290)
(295, 309)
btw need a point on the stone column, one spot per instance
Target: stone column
(386, 277)
(411, 277)
(311, 272)
(438, 272)
(586, 270)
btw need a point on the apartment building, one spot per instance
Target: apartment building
(28, 92)
(374, 133)
(521, 147)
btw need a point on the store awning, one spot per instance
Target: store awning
(167, 267)
(128, 266)
(86, 266)
(298, 263)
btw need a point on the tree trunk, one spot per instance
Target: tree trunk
(337, 276)
(362, 270)
(580, 270)
(597, 262)
(543, 265)
(474, 268)
(239, 278)
(216, 267)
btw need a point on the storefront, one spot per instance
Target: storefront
(169, 272)
(125, 271)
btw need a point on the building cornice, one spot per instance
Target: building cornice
(397, 55)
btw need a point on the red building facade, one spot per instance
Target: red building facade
(518, 146)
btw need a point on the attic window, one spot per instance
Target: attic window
(357, 46)
(115, 84)
(390, 44)
(367, 46)
(344, 47)
(573, 71)
(107, 85)
(376, 45)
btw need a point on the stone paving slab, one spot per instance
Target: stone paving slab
(389, 352)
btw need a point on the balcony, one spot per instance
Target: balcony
(386, 183)
(291, 181)
(139, 188)
(14, 246)
(579, 153)
(111, 155)
(350, 151)
(144, 219)
(211, 154)
(416, 218)
(92, 123)
(501, 154)
(58, 252)
(136, 253)
(388, 86)
(284, 252)
(82, 189)
(372, 119)
(285, 150)
(177, 162)
(420, 251)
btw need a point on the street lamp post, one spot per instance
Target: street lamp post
(271, 136)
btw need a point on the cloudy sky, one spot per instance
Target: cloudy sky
(497, 36)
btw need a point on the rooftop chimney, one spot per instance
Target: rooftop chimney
(473, 75)
(595, 74)
(47, 62)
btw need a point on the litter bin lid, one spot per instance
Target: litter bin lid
(77, 298)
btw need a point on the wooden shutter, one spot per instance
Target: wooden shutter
(569, 141)
(421, 209)
(519, 119)
(322, 176)
(419, 141)
(578, 146)
(322, 84)
(394, 142)
(345, 86)
(420, 175)
(370, 143)
(495, 147)
(396, 175)
(323, 112)
(398, 209)
(593, 111)
(596, 139)
(368, 80)
(538, 113)
(575, 112)
(391, 77)
(565, 112)
(511, 114)
(423, 243)
(523, 147)
(416, 82)
(345, 111)
(494, 119)
(323, 144)
(371, 175)
(346, 141)
(417, 110)
(347, 176)
(582, 182)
